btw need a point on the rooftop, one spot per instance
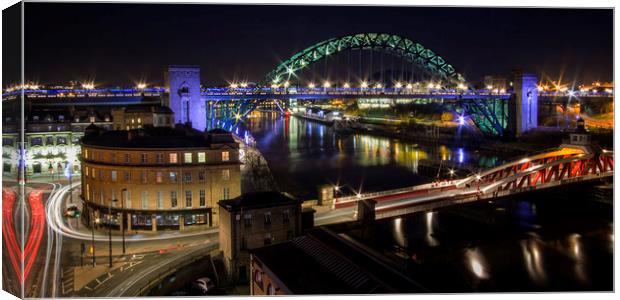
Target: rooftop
(153, 137)
(332, 264)
(258, 200)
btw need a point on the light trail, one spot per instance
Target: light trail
(56, 221)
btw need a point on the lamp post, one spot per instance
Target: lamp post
(110, 230)
(123, 191)
(92, 230)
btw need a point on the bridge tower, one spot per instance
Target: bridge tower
(183, 85)
(525, 99)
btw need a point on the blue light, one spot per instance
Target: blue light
(461, 120)
(461, 155)
(68, 169)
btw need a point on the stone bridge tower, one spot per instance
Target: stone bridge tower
(183, 84)
(525, 97)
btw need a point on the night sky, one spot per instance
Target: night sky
(119, 44)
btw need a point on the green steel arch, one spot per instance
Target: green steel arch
(404, 47)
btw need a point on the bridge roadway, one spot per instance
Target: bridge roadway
(565, 165)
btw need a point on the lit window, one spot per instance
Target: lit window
(173, 177)
(86, 171)
(127, 176)
(159, 158)
(173, 158)
(225, 174)
(85, 153)
(133, 120)
(113, 176)
(127, 158)
(202, 157)
(258, 279)
(226, 193)
(143, 177)
(127, 199)
(93, 173)
(225, 156)
(139, 120)
(188, 158)
(268, 218)
(160, 200)
(159, 177)
(271, 290)
(145, 200)
(143, 158)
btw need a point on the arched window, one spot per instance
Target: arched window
(271, 290)
(258, 278)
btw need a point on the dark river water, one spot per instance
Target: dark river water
(556, 240)
(303, 155)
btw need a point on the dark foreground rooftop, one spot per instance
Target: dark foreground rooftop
(323, 262)
(258, 200)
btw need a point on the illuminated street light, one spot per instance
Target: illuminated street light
(451, 171)
(409, 86)
(461, 86)
(88, 85)
(274, 86)
(238, 116)
(286, 84)
(311, 85)
(398, 85)
(379, 85)
(233, 85)
(571, 93)
(364, 84)
(346, 85)
(141, 86)
(461, 120)
(430, 85)
(244, 84)
(489, 87)
(326, 84)
(540, 88)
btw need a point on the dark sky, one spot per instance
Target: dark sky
(118, 44)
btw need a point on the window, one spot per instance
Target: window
(93, 173)
(61, 140)
(143, 158)
(271, 290)
(173, 177)
(37, 141)
(247, 220)
(201, 176)
(159, 177)
(86, 171)
(127, 176)
(187, 177)
(225, 174)
(101, 196)
(127, 199)
(286, 218)
(258, 279)
(203, 201)
(113, 157)
(202, 157)
(49, 140)
(244, 243)
(159, 158)
(127, 158)
(143, 177)
(114, 198)
(268, 218)
(187, 158)
(226, 194)
(173, 158)
(160, 200)
(100, 175)
(225, 155)
(87, 191)
(173, 199)
(188, 198)
(268, 239)
(145, 199)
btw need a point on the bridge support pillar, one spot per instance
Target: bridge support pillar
(183, 84)
(526, 103)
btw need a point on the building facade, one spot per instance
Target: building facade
(158, 177)
(254, 220)
(137, 116)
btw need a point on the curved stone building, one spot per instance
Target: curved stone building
(158, 177)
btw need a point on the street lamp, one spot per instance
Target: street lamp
(92, 230)
(123, 191)
(110, 229)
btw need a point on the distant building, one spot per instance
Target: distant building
(255, 220)
(496, 83)
(161, 177)
(323, 262)
(137, 116)
(52, 139)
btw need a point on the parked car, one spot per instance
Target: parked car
(204, 284)
(72, 211)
